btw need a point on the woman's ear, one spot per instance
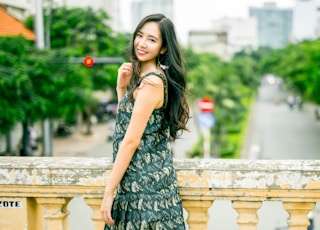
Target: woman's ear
(163, 50)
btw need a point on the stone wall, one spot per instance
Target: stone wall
(44, 186)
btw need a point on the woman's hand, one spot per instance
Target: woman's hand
(124, 75)
(106, 208)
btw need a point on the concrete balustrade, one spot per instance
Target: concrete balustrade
(38, 189)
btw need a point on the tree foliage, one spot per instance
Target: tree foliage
(81, 32)
(34, 87)
(14, 95)
(298, 65)
(230, 85)
(37, 84)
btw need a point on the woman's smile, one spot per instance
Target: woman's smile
(140, 52)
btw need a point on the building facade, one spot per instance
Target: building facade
(208, 41)
(11, 26)
(226, 37)
(141, 8)
(274, 25)
(241, 34)
(306, 20)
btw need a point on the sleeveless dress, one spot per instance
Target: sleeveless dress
(147, 197)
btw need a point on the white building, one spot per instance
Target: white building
(208, 41)
(306, 20)
(226, 37)
(142, 8)
(242, 34)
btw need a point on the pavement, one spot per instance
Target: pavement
(79, 144)
(82, 144)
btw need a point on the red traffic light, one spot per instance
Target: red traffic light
(88, 61)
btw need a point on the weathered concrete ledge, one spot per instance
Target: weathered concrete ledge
(43, 186)
(192, 173)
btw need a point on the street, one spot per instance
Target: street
(281, 132)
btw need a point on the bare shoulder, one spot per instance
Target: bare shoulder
(153, 79)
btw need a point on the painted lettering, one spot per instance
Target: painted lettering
(10, 204)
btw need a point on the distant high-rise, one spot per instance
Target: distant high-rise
(274, 25)
(142, 8)
(306, 20)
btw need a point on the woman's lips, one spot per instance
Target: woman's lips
(141, 52)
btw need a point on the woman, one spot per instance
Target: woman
(152, 110)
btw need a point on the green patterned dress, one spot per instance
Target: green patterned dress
(147, 196)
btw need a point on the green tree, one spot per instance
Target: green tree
(37, 84)
(34, 87)
(14, 82)
(298, 65)
(230, 85)
(84, 32)
(80, 32)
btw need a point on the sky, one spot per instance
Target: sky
(198, 14)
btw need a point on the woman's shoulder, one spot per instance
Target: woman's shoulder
(154, 73)
(154, 76)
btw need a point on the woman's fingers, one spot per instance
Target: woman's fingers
(105, 210)
(126, 68)
(106, 216)
(124, 75)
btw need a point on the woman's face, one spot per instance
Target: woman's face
(148, 42)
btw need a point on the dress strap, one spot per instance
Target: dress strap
(164, 79)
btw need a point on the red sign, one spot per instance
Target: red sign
(206, 105)
(88, 61)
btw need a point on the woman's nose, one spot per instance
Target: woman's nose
(143, 43)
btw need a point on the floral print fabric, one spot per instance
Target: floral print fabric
(147, 196)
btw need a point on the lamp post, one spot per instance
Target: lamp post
(46, 126)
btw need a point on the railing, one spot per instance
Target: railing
(35, 191)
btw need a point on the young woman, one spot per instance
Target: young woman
(152, 110)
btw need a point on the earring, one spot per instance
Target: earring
(164, 67)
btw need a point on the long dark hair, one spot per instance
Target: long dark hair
(177, 109)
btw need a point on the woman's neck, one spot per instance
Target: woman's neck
(151, 68)
(147, 68)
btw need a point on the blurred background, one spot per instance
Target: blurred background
(252, 67)
(59, 61)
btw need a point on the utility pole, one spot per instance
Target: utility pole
(46, 124)
(39, 25)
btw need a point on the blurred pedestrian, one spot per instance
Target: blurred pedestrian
(28, 142)
(33, 138)
(152, 110)
(290, 101)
